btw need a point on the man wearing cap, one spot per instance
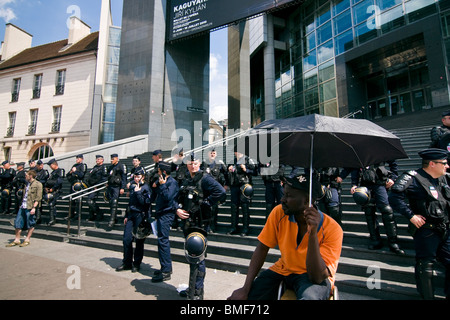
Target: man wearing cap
(19, 183)
(165, 195)
(440, 137)
(97, 175)
(310, 243)
(428, 194)
(75, 177)
(52, 189)
(117, 182)
(7, 175)
(41, 176)
(181, 171)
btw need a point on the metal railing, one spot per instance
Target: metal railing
(78, 195)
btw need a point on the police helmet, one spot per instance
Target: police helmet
(6, 193)
(47, 197)
(19, 193)
(361, 196)
(78, 186)
(247, 191)
(195, 247)
(143, 230)
(106, 197)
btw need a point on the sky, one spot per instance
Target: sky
(46, 21)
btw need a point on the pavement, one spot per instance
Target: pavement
(54, 270)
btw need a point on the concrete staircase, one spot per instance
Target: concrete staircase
(377, 274)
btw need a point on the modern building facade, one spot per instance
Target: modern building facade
(369, 58)
(163, 88)
(56, 98)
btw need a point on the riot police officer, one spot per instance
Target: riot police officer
(377, 178)
(274, 187)
(440, 136)
(97, 175)
(19, 182)
(52, 189)
(331, 202)
(240, 179)
(41, 176)
(218, 170)
(197, 194)
(75, 177)
(139, 200)
(7, 175)
(137, 167)
(180, 169)
(117, 182)
(428, 194)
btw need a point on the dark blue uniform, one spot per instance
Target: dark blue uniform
(274, 188)
(97, 175)
(6, 186)
(429, 198)
(53, 188)
(76, 177)
(137, 211)
(210, 193)
(165, 207)
(117, 180)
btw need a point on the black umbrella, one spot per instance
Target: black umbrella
(317, 141)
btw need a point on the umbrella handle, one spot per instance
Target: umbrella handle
(311, 169)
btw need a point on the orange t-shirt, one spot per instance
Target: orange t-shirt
(282, 232)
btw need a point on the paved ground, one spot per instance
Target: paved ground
(52, 270)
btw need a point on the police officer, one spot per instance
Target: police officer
(441, 133)
(377, 178)
(274, 186)
(428, 194)
(240, 179)
(139, 199)
(19, 182)
(180, 169)
(197, 194)
(52, 189)
(97, 175)
(75, 177)
(218, 170)
(136, 167)
(331, 202)
(7, 175)
(117, 182)
(32, 164)
(166, 194)
(41, 176)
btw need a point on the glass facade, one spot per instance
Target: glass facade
(110, 89)
(393, 78)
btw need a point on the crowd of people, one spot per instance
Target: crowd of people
(185, 194)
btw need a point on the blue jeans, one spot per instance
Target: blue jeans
(265, 286)
(25, 220)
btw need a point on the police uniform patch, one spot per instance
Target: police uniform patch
(434, 192)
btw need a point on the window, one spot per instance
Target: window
(43, 152)
(12, 124)
(60, 81)
(15, 90)
(56, 125)
(37, 86)
(33, 121)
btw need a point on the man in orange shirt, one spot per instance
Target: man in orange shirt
(310, 243)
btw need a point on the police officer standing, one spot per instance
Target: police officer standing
(7, 175)
(117, 182)
(274, 187)
(41, 176)
(240, 177)
(331, 202)
(139, 199)
(75, 177)
(440, 137)
(218, 170)
(52, 189)
(180, 169)
(97, 175)
(428, 194)
(166, 194)
(197, 194)
(377, 178)
(19, 182)
(136, 167)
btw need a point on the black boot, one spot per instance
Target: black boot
(52, 213)
(234, 219)
(391, 231)
(245, 219)
(372, 225)
(336, 213)
(424, 279)
(92, 209)
(38, 215)
(113, 218)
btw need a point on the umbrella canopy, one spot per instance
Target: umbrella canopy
(317, 141)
